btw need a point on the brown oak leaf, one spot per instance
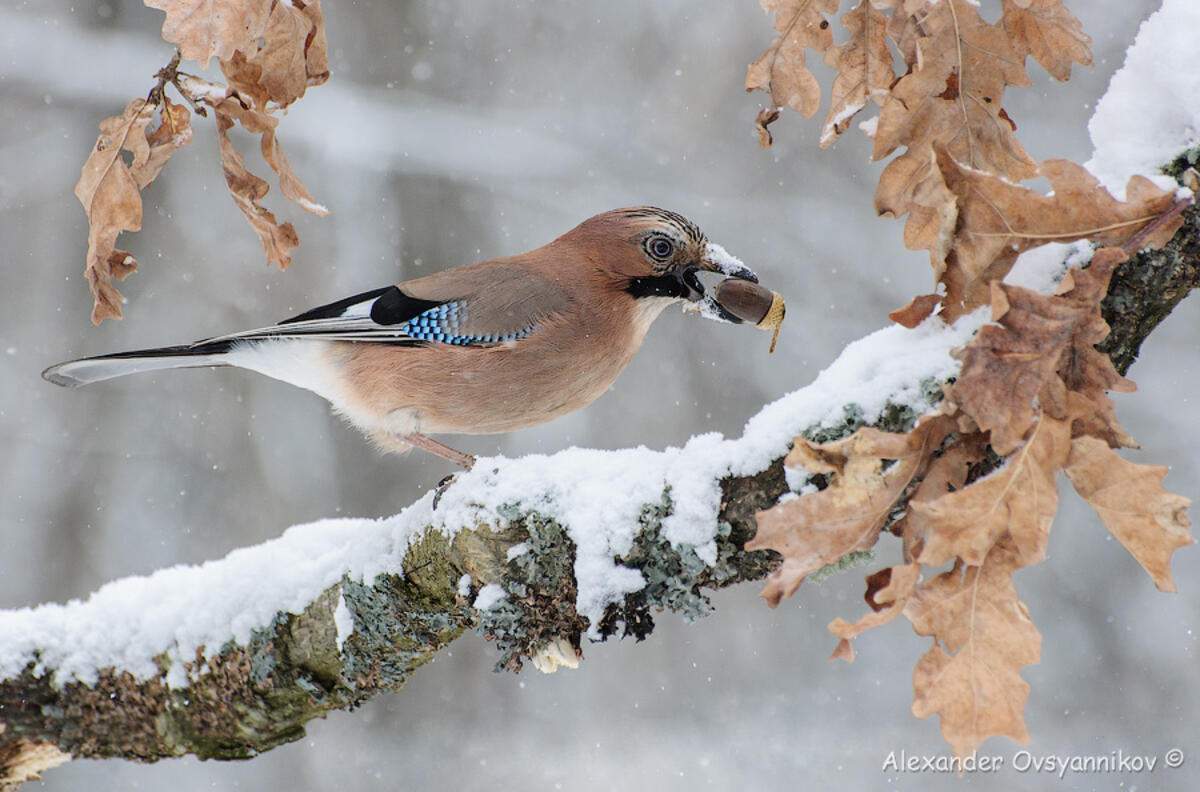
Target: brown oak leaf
(293, 56)
(932, 213)
(997, 220)
(864, 68)
(1049, 32)
(264, 125)
(887, 592)
(203, 29)
(284, 68)
(953, 96)
(983, 636)
(110, 191)
(278, 239)
(1020, 499)
(919, 309)
(1039, 347)
(821, 527)
(1087, 372)
(762, 125)
(316, 52)
(1009, 361)
(1150, 522)
(781, 70)
(947, 473)
(904, 27)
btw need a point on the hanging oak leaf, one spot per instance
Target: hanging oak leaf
(953, 97)
(1020, 499)
(869, 471)
(110, 191)
(292, 57)
(206, 28)
(1049, 32)
(947, 473)
(982, 637)
(919, 309)
(864, 69)
(1148, 521)
(781, 70)
(887, 592)
(278, 239)
(1039, 347)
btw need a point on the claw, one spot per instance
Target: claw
(441, 488)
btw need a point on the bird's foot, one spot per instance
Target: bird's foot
(426, 443)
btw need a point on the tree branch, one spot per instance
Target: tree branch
(69, 691)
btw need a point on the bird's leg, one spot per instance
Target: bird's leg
(416, 440)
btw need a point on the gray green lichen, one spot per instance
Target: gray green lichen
(541, 591)
(674, 575)
(892, 418)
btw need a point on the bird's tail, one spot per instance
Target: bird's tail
(85, 371)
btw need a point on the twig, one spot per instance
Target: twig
(170, 75)
(163, 76)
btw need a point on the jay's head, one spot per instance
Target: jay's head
(654, 253)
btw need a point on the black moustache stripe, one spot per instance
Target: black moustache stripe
(657, 286)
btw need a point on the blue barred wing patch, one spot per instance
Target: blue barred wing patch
(443, 324)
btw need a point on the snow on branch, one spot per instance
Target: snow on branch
(231, 658)
(330, 613)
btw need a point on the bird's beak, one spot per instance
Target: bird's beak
(715, 259)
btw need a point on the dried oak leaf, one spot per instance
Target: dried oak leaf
(1049, 32)
(1086, 372)
(1150, 522)
(1039, 347)
(247, 189)
(952, 97)
(284, 67)
(983, 636)
(947, 473)
(762, 125)
(932, 216)
(887, 592)
(293, 56)
(1009, 361)
(781, 70)
(819, 528)
(919, 309)
(316, 48)
(278, 239)
(206, 28)
(864, 68)
(264, 125)
(110, 191)
(1020, 499)
(997, 220)
(904, 27)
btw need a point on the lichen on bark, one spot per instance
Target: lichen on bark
(244, 700)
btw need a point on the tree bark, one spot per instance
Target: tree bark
(249, 699)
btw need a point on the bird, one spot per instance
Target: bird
(483, 348)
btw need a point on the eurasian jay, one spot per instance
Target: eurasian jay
(484, 348)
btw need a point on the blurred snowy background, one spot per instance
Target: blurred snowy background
(453, 131)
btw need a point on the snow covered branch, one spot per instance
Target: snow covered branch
(231, 658)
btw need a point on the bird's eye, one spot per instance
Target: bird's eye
(660, 247)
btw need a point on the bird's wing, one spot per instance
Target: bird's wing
(477, 305)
